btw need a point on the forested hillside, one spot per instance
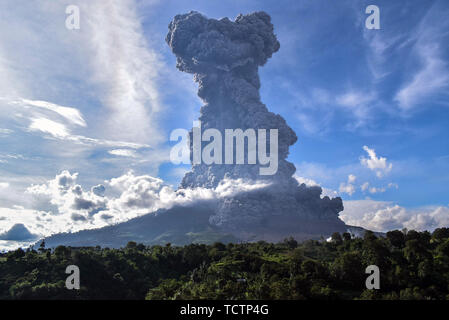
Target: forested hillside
(413, 265)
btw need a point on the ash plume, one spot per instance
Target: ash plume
(224, 57)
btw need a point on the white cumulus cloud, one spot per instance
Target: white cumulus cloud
(375, 163)
(348, 187)
(385, 216)
(70, 208)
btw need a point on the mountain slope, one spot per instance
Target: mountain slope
(184, 225)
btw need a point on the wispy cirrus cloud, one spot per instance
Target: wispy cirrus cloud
(358, 103)
(51, 127)
(4, 185)
(123, 153)
(84, 91)
(410, 51)
(73, 115)
(55, 121)
(318, 109)
(4, 131)
(430, 78)
(125, 68)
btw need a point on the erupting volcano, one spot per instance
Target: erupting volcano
(224, 57)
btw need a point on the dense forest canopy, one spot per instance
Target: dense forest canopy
(413, 265)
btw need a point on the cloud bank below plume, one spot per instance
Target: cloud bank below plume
(70, 208)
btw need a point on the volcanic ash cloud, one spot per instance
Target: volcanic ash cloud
(224, 57)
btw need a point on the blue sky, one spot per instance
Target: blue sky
(370, 107)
